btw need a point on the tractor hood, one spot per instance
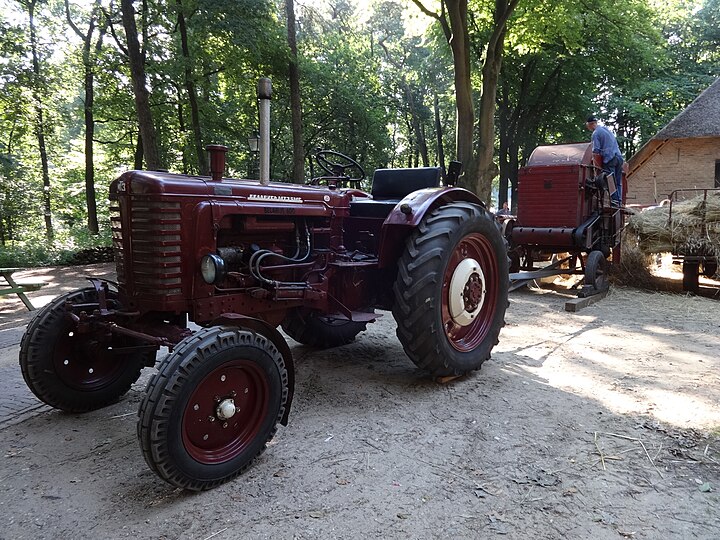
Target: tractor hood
(141, 183)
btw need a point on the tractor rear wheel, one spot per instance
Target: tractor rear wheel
(322, 332)
(451, 291)
(596, 271)
(78, 371)
(212, 407)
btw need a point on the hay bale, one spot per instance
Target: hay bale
(693, 227)
(712, 208)
(650, 227)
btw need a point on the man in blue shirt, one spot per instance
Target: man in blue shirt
(605, 146)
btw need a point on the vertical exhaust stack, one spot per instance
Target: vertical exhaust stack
(217, 160)
(264, 93)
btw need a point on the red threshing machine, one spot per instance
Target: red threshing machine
(564, 216)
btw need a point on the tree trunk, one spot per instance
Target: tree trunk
(138, 156)
(416, 125)
(423, 145)
(298, 173)
(40, 122)
(465, 112)
(518, 121)
(411, 148)
(88, 110)
(456, 34)
(192, 94)
(142, 96)
(438, 135)
(182, 128)
(486, 168)
(508, 160)
(92, 219)
(514, 161)
(504, 164)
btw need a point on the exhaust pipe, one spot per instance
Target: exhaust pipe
(264, 93)
(217, 160)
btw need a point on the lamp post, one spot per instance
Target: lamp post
(254, 146)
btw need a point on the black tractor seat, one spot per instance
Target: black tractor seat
(390, 186)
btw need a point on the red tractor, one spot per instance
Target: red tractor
(239, 258)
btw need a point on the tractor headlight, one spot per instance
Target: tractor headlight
(212, 268)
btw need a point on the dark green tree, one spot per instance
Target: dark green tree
(91, 46)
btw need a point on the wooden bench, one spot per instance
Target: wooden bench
(12, 287)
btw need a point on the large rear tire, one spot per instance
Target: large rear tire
(212, 407)
(322, 332)
(78, 371)
(452, 290)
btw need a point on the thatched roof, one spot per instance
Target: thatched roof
(700, 119)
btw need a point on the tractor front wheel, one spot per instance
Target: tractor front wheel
(452, 290)
(78, 370)
(212, 407)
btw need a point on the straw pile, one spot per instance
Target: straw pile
(693, 228)
(635, 264)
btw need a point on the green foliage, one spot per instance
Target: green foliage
(34, 250)
(685, 64)
(412, 70)
(346, 110)
(369, 81)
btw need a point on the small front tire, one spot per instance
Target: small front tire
(212, 407)
(78, 371)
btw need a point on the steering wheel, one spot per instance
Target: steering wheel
(335, 164)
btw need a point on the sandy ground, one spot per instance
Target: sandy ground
(603, 423)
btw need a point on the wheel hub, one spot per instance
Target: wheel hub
(467, 292)
(473, 293)
(225, 409)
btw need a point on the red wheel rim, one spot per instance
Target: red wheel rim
(207, 436)
(86, 363)
(467, 338)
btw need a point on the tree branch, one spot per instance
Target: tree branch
(71, 23)
(122, 48)
(439, 17)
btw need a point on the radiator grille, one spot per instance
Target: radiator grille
(148, 258)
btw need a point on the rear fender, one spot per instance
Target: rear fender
(408, 214)
(261, 327)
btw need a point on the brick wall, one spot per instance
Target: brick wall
(680, 163)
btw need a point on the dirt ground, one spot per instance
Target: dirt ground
(603, 423)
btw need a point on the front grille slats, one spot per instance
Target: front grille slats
(153, 266)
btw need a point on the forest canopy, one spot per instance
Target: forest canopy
(91, 88)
